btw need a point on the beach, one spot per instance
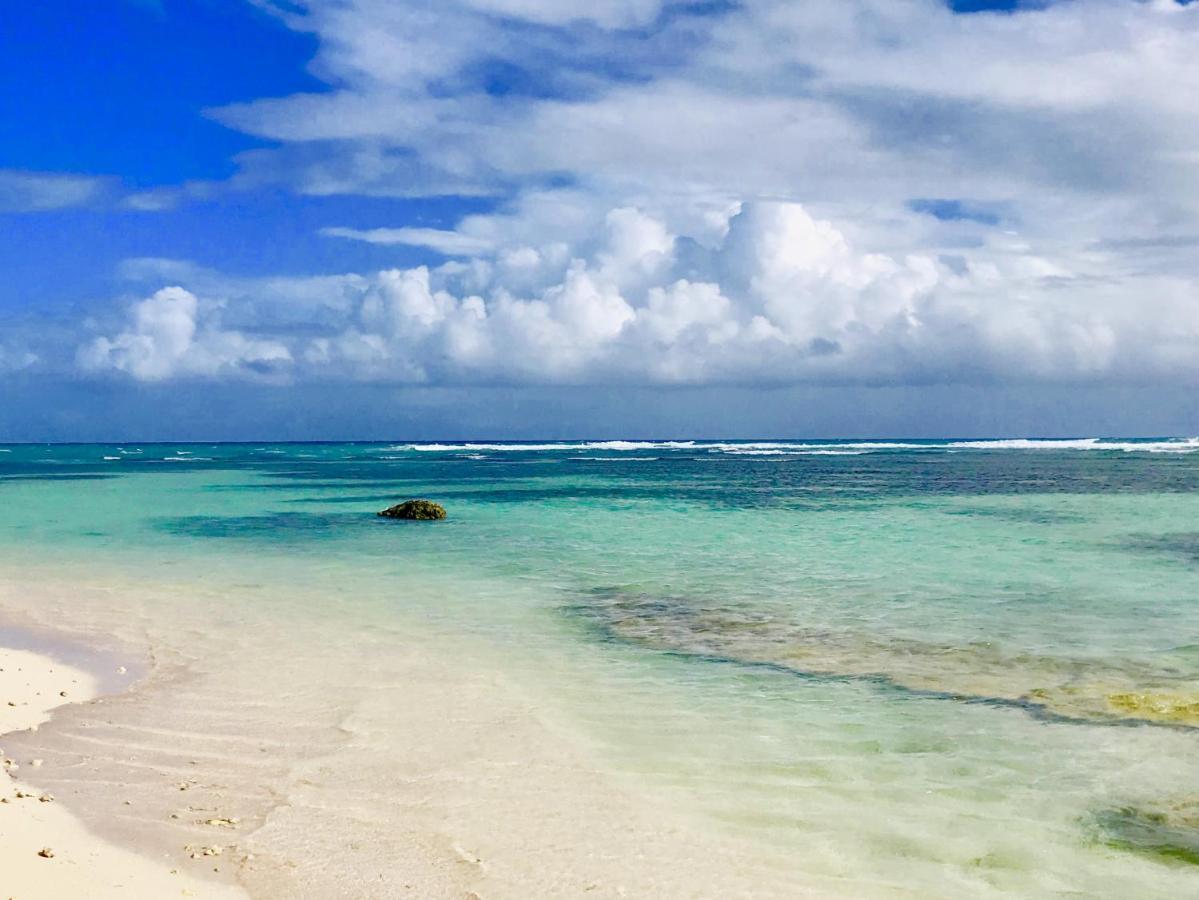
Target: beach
(666, 670)
(228, 802)
(45, 851)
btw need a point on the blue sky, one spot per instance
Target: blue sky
(632, 213)
(119, 92)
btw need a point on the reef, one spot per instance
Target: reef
(1121, 692)
(1167, 831)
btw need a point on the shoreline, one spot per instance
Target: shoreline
(45, 850)
(433, 776)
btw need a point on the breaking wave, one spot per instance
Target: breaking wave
(819, 448)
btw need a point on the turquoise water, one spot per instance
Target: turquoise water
(918, 668)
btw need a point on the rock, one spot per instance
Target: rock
(415, 509)
(46, 853)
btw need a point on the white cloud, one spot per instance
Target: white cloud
(846, 102)
(450, 243)
(14, 359)
(607, 13)
(783, 297)
(170, 335)
(22, 191)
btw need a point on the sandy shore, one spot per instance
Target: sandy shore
(385, 763)
(45, 851)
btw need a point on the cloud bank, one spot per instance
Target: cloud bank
(770, 295)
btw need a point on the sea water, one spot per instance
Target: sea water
(908, 668)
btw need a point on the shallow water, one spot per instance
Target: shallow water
(899, 669)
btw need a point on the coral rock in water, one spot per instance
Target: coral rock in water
(415, 509)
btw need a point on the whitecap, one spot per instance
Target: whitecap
(1173, 445)
(840, 448)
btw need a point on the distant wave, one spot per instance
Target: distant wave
(1176, 445)
(810, 447)
(531, 448)
(818, 448)
(782, 451)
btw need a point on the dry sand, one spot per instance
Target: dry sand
(45, 851)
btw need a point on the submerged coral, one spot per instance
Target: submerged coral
(1169, 831)
(1159, 706)
(1119, 692)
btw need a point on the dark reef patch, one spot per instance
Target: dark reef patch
(1027, 516)
(1182, 545)
(60, 476)
(1057, 689)
(295, 525)
(1168, 832)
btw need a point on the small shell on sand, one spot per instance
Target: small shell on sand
(197, 852)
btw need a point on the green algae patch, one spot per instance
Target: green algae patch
(420, 510)
(1157, 706)
(1169, 832)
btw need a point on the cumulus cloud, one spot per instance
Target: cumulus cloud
(780, 297)
(169, 334)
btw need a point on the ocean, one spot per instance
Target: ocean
(878, 669)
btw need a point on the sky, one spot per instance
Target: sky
(423, 219)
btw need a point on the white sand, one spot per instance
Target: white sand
(364, 763)
(75, 863)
